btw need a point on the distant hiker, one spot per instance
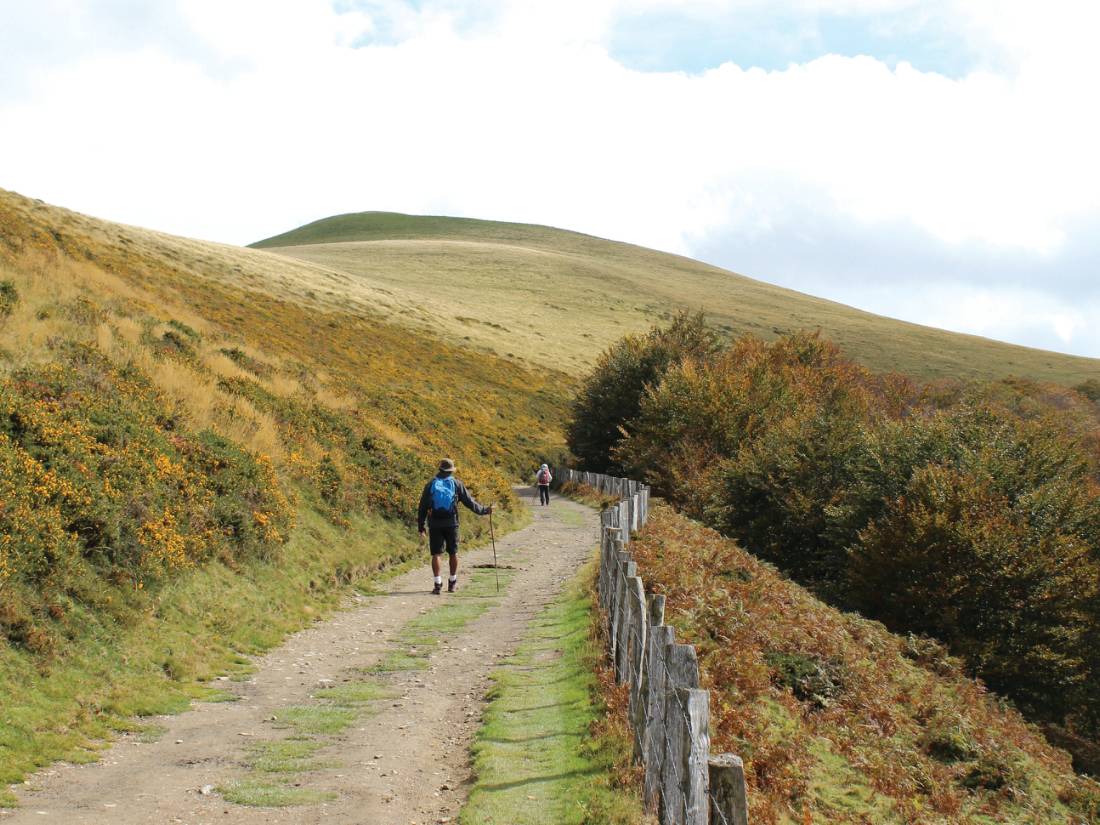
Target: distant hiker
(543, 477)
(439, 508)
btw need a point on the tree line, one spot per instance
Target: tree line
(965, 511)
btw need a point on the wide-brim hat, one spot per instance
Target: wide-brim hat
(446, 466)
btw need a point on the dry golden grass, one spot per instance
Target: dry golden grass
(283, 385)
(223, 366)
(333, 400)
(558, 298)
(48, 287)
(539, 296)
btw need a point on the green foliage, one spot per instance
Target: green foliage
(611, 395)
(246, 362)
(1009, 592)
(947, 737)
(808, 677)
(1090, 389)
(545, 754)
(9, 297)
(970, 513)
(97, 484)
(184, 329)
(148, 537)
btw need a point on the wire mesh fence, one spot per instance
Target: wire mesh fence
(669, 715)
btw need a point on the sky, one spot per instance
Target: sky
(937, 161)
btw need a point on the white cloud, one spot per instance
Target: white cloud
(269, 117)
(1003, 313)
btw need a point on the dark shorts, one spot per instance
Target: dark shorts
(440, 536)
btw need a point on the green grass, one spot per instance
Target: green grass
(422, 635)
(353, 694)
(314, 725)
(557, 298)
(309, 720)
(396, 661)
(285, 756)
(535, 758)
(570, 518)
(261, 793)
(148, 734)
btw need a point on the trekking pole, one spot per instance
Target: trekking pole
(492, 536)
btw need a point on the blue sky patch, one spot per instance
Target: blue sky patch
(671, 41)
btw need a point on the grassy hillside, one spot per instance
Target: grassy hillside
(837, 719)
(555, 298)
(193, 463)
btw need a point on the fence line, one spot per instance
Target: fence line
(669, 715)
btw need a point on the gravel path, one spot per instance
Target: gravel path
(407, 763)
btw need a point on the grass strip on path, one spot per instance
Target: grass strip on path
(278, 769)
(535, 757)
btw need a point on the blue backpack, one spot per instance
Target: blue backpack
(443, 495)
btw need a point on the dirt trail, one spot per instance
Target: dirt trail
(407, 763)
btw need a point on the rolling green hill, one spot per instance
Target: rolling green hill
(195, 462)
(556, 298)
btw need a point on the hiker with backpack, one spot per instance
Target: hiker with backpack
(439, 510)
(543, 478)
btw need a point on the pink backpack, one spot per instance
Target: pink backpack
(544, 476)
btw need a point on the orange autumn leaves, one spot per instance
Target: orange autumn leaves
(966, 511)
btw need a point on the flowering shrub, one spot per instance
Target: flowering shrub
(95, 480)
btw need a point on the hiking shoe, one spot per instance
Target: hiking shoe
(451, 585)
(437, 589)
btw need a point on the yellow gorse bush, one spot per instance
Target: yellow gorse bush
(96, 480)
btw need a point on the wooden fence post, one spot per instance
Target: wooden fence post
(695, 705)
(622, 618)
(656, 604)
(669, 715)
(609, 555)
(636, 650)
(612, 594)
(623, 570)
(681, 671)
(729, 804)
(625, 609)
(661, 638)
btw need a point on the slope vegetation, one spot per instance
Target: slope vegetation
(556, 298)
(193, 462)
(837, 719)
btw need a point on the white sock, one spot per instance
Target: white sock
(439, 580)
(452, 578)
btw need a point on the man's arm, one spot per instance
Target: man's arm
(465, 497)
(425, 506)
